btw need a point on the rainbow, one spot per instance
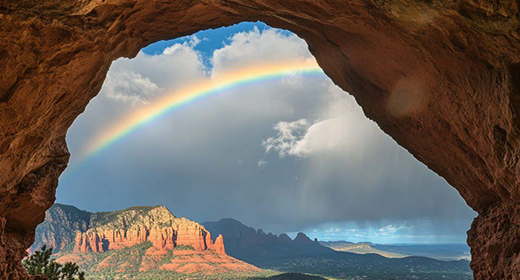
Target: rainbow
(209, 87)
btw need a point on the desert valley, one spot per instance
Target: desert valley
(151, 243)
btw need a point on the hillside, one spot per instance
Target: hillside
(290, 276)
(257, 247)
(446, 252)
(302, 255)
(436, 251)
(59, 229)
(137, 242)
(359, 248)
(151, 243)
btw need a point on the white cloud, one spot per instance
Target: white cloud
(189, 44)
(289, 135)
(341, 128)
(177, 66)
(303, 141)
(262, 163)
(385, 232)
(256, 47)
(128, 86)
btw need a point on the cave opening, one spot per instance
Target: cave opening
(293, 147)
(462, 124)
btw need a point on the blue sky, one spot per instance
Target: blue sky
(210, 40)
(296, 154)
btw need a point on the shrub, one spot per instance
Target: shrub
(41, 263)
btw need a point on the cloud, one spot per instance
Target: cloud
(188, 45)
(128, 86)
(327, 163)
(411, 231)
(300, 139)
(288, 138)
(262, 163)
(256, 47)
(340, 129)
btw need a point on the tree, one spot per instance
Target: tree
(42, 263)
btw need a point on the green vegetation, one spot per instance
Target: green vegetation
(104, 218)
(280, 260)
(183, 248)
(377, 268)
(168, 275)
(137, 214)
(125, 263)
(122, 260)
(171, 275)
(41, 263)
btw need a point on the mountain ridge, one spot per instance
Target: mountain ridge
(303, 255)
(141, 239)
(256, 246)
(149, 242)
(360, 248)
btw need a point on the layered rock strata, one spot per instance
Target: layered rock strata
(131, 227)
(169, 242)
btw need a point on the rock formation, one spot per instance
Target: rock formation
(257, 247)
(99, 232)
(441, 77)
(281, 253)
(59, 229)
(121, 233)
(219, 245)
(137, 225)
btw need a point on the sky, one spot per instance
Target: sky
(290, 154)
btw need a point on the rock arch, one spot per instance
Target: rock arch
(440, 77)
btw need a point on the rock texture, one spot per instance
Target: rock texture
(66, 227)
(59, 229)
(441, 77)
(137, 225)
(137, 239)
(494, 239)
(219, 245)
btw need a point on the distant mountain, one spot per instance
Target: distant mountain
(344, 265)
(359, 248)
(257, 247)
(61, 224)
(151, 243)
(138, 242)
(304, 255)
(436, 251)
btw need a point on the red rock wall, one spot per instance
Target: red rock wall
(219, 245)
(192, 236)
(162, 239)
(494, 239)
(88, 242)
(440, 77)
